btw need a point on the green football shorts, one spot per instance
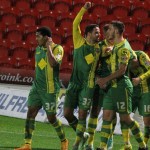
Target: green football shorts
(119, 99)
(43, 99)
(78, 96)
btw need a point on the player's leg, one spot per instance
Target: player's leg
(144, 110)
(34, 105)
(93, 119)
(108, 115)
(71, 102)
(85, 99)
(50, 106)
(124, 107)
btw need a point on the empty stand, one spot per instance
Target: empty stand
(41, 6)
(145, 27)
(22, 5)
(56, 38)
(5, 4)
(28, 20)
(100, 10)
(61, 7)
(3, 52)
(140, 13)
(28, 64)
(137, 44)
(9, 19)
(120, 11)
(14, 36)
(48, 21)
(31, 38)
(20, 53)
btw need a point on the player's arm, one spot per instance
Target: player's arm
(123, 59)
(144, 60)
(78, 39)
(53, 57)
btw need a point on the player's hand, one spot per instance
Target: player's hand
(136, 81)
(108, 49)
(102, 82)
(49, 41)
(87, 5)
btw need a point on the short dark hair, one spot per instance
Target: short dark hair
(105, 28)
(119, 25)
(44, 31)
(89, 28)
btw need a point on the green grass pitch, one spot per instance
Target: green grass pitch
(44, 137)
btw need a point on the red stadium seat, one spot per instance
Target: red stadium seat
(5, 4)
(14, 36)
(120, 12)
(66, 24)
(22, 5)
(20, 53)
(9, 19)
(7, 62)
(1, 34)
(28, 64)
(31, 38)
(146, 30)
(66, 67)
(140, 13)
(137, 44)
(56, 38)
(100, 10)
(41, 6)
(4, 52)
(61, 7)
(69, 41)
(145, 27)
(48, 21)
(105, 20)
(28, 21)
(131, 26)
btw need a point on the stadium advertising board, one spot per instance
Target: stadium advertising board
(13, 103)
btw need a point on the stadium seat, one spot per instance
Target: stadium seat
(31, 38)
(61, 7)
(137, 44)
(120, 11)
(48, 21)
(28, 21)
(66, 67)
(7, 62)
(1, 34)
(3, 52)
(9, 19)
(77, 5)
(68, 41)
(145, 27)
(56, 38)
(100, 10)
(41, 5)
(105, 20)
(14, 36)
(28, 64)
(22, 5)
(66, 24)
(140, 13)
(20, 53)
(5, 4)
(131, 26)
(138, 37)
(146, 30)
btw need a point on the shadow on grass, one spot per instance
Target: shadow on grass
(12, 148)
